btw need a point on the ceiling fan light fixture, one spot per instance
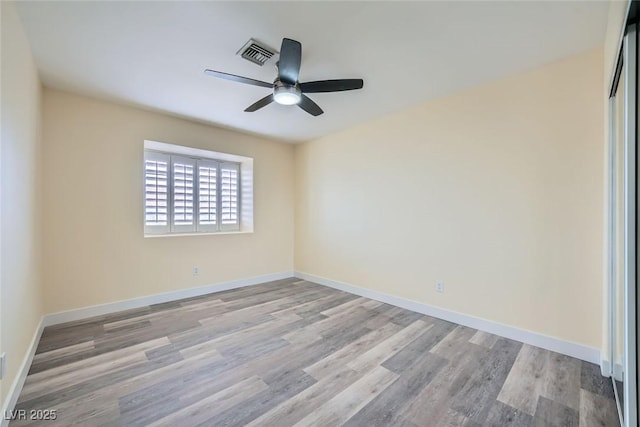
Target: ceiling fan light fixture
(286, 95)
(286, 98)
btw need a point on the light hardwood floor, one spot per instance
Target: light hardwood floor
(296, 353)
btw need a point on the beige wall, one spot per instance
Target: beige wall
(20, 289)
(497, 191)
(93, 230)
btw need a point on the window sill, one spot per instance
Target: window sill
(216, 233)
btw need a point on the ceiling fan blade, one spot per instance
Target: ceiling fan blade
(289, 63)
(260, 103)
(331, 85)
(309, 106)
(239, 79)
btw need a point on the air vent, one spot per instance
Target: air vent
(257, 52)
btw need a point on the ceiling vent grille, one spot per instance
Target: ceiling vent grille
(257, 52)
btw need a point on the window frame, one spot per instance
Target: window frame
(171, 229)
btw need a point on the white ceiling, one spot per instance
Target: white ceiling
(153, 54)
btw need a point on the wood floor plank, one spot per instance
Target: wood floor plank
(337, 320)
(63, 356)
(314, 306)
(562, 382)
(523, 385)
(193, 336)
(338, 359)
(454, 344)
(102, 399)
(350, 400)
(250, 291)
(597, 410)
(484, 339)
(386, 408)
(308, 354)
(208, 307)
(554, 414)
(591, 380)
(279, 391)
(80, 415)
(411, 351)
(333, 300)
(56, 339)
(201, 411)
(432, 403)
(273, 365)
(291, 352)
(501, 415)
(293, 410)
(95, 407)
(480, 392)
(261, 330)
(341, 308)
(405, 318)
(389, 347)
(64, 351)
(62, 376)
(252, 310)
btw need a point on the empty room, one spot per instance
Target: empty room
(319, 213)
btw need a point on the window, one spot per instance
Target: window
(184, 193)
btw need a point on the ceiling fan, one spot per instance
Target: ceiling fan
(287, 90)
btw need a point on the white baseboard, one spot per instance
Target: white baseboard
(14, 392)
(605, 369)
(618, 371)
(578, 351)
(113, 307)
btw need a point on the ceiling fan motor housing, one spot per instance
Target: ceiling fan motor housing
(286, 94)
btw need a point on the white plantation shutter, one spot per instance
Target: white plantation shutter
(229, 196)
(207, 195)
(156, 193)
(183, 170)
(184, 194)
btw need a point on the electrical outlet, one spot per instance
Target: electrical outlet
(3, 364)
(196, 271)
(439, 286)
